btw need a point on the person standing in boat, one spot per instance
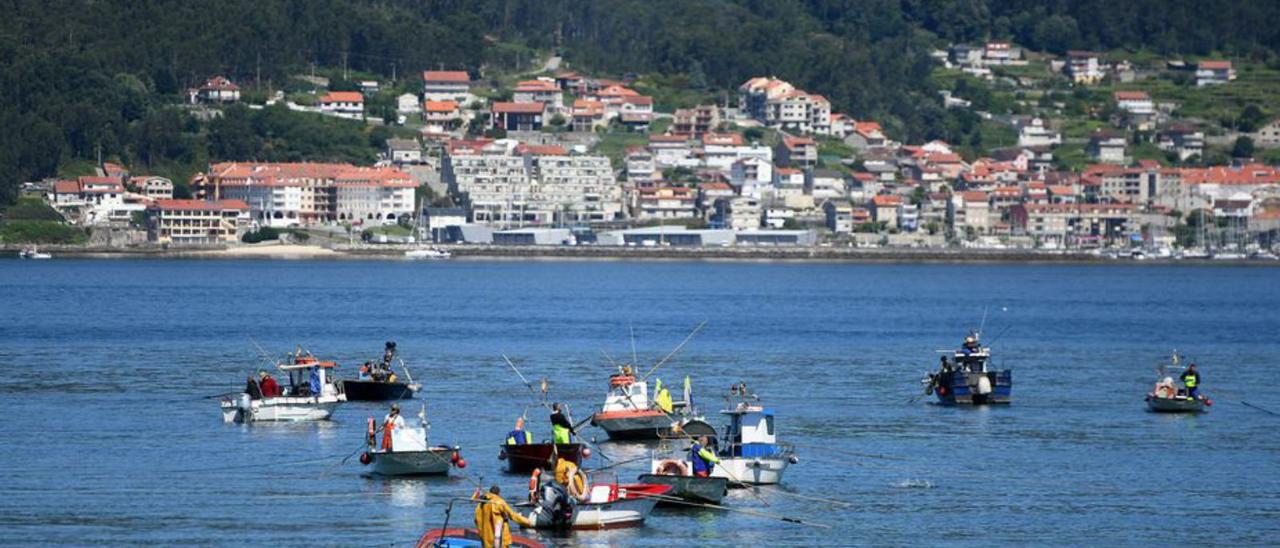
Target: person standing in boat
(252, 388)
(703, 459)
(519, 436)
(493, 515)
(561, 429)
(662, 397)
(392, 421)
(1191, 380)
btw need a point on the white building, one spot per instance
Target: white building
(505, 189)
(303, 194)
(193, 222)
(1084, 67)
(408, 103)
(1034, 133)
(1212, 73)
(446, 85)
(343, 104)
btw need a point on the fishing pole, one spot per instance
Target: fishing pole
(618, 463)
(841, 503)
(544, 404)
(1263, 409)
(778, 517)
(850, 453)
(674, 351)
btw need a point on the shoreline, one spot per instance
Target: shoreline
(594, 253)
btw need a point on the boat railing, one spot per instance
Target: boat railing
(756, 449)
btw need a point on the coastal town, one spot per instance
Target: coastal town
(565, 158)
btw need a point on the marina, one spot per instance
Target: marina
(834, 351)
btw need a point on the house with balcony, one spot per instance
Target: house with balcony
(343, 104)
(1214, 72)
(517, 116)
(447, 85)
(1084, 67)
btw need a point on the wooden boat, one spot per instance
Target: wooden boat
(410, 452)
(749, 451)
(1168, 396)
(607, 506)
(381, 383)
(466, 538)
(629, 414)
(311, 395)
(690, 488)
(525, 458)
(969, 379)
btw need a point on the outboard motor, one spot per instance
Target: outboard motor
(555, 501)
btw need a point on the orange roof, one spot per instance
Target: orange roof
(667, 139)
(342, 97)
(536, 85)
(541, 150)
(638, 100)
(518, 108)
(793, 142)
(974, 196)
(722, 139)
(884, 200)
(1214, 65)
(715, 186)
(200, 205)
(616, 91)
(452, 76)
(440, 106)
(1132, 96)
(66, 187)
(1251, 174)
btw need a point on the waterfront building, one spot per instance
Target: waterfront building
(193, 222)
(301, 194)
(505, 185)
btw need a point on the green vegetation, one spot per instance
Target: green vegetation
(615, 145)
(30, 208)
(263, 234)
(75, 87)
(40, 232)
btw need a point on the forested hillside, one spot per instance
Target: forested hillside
(81, 78)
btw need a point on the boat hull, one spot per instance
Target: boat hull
(1174, 405)
(357, 390)
(709, 490)
(959, 388)
(744, 471)
(626, 511)
(432, 462)
(524, 459)
(283, 409)
(466, 538)
(633, 425)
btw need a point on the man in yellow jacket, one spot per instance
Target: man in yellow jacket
(492, 516)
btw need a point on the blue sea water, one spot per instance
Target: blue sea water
(109, 437)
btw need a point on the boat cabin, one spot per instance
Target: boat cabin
(309, 376)
(626, 394)
(750, 432)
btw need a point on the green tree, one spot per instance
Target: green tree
(1243, 148)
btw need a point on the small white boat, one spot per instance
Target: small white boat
(607, 505)
(433, 253)
(749, 451)
(33, 253)
(406, 452)
(311, 395)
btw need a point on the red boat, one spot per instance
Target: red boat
(466, 538)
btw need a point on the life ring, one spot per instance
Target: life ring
(578, 485)
(672, 468)
(621, 380)
(533, 484)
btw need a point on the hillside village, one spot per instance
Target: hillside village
(1082, 151)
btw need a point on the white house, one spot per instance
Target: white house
(1034, 133)
(1210, 73)
(343, 104)
(408, 104)
(446, 85)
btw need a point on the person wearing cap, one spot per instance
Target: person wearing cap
(270, 388)
(493, 517)
(392, 421)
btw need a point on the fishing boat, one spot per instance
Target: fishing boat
(1168, 397)
(378, 380)
(33, 253)
(629, 414)
(607, 505)
(464, 537)
(429, 253)
(311, 394)
(405, 451)
(749, 451)
(525, 458)
(968, 378)
(668, 466)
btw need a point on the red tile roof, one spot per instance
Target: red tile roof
(536, 85)
(440, 106)
(885, 200)
(1132, 96)
(451, 76)
(1214, 65)
(200, 205)
(66, 187)
(342, 97)
(541, 150)
(518, 108)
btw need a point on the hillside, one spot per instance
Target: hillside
(83, 80)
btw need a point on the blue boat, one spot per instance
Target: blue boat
(967, 378)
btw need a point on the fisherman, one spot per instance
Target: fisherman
(392, 421)
(315, 382)
(561, 428)
(946, 364)
(567, 476)
(662, 397)
(270, 388)
(704, 460)
(519, 436)
(1191, 380)
(252, 389)
(492, 517)
(364, 370)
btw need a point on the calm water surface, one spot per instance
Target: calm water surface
(109, 440)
